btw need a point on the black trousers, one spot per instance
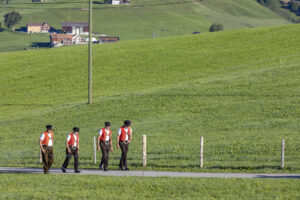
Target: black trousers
(48, 158)
(74, 152)
(124, 149)
(105, 149)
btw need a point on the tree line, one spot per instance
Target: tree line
(293, 5)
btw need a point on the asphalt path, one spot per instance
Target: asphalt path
(147, 173)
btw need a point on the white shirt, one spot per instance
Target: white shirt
(107, 134)
(75, 138)
(126, 130)
(50, 143)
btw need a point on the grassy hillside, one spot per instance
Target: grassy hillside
(144, 19)
(238, 89)
(95, 187)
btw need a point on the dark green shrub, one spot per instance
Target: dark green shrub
(216, 27)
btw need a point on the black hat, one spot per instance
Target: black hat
(49, 127)
(127, 122)
(76, 129)
(107, 124)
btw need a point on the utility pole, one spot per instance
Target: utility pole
(90, 53)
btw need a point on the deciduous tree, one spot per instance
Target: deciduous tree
(11, 19)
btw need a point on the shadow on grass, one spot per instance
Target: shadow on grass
(41, 45)
(152, 165)
(248, 167)
(237, 168)
(16, 104)
(99, 2)
(278, 176)
(21, 29)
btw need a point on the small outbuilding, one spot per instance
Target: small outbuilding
(106, 39)
(38, 27)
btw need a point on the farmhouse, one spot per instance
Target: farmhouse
(66, 39)
(78, 28)
(38, 27)
(108, 39)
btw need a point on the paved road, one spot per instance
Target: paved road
(148, 173)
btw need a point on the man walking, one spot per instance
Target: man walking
(105, 142)
(123, 140)
(46, 145)
(72, 149)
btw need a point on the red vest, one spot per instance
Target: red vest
(123, 133)
(45, 141)
(104, 134)
(72, 140)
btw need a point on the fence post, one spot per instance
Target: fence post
(144, 151)
(40, 155)
(95, 151)
(282, 153)
(201, 152)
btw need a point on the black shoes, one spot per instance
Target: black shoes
(100, 167)
(105, 169)
(64, 170)
(125, 169)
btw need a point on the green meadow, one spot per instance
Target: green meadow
(98, 187)
(238, 89)
(139, 20)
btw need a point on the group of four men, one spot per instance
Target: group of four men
(72, 146)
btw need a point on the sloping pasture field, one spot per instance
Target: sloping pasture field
(238, 89)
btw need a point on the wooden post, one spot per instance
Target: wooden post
(95, 151)
(41, 160)
(282, 153)
(201, 152)
(144, 151)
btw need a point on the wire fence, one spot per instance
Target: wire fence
(183, 155)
